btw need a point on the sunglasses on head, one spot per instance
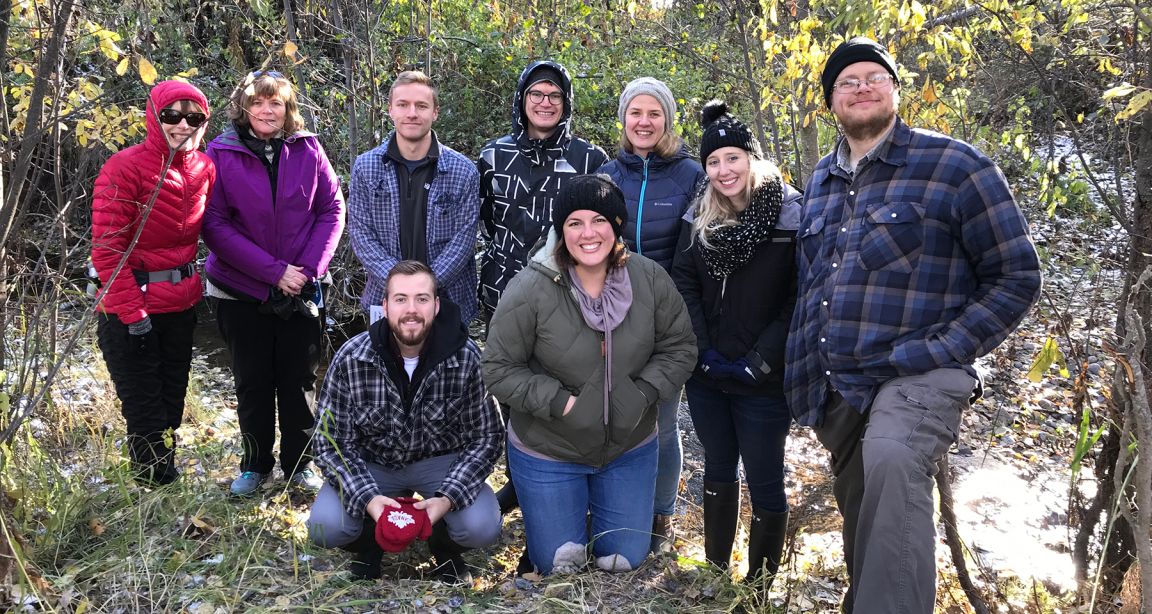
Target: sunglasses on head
(172, 117)
(275, 74)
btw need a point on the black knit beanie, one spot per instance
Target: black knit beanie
(592, 192)
(721, 129)
(545, 73)
(859, 49)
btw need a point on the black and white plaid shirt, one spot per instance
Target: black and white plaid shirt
(363, 419)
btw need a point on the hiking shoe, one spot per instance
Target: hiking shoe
(248, 483)
(306, 480)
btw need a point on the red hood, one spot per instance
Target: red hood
(162, 95)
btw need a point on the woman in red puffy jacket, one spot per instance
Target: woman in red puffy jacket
(147, 208)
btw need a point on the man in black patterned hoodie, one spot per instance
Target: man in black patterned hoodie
(521, 173)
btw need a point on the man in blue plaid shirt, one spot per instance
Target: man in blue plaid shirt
(403, 408)
(413, 198)
(914, 260)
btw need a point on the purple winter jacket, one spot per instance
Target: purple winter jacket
(252, 239)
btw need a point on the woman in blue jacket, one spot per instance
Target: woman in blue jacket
(658, 179)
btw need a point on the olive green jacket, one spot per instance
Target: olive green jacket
(540, 352)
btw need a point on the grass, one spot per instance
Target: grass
(90, 540)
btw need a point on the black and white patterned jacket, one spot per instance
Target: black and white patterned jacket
(519, 178)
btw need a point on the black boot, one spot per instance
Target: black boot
(721, 514)
(450, 566)
(365, 565)
(765, 546)
(507, 498)
(152, 460)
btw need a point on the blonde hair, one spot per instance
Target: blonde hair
(266, 84)
(715, 210)
(415, 76)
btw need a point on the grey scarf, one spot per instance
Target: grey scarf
(604, 314)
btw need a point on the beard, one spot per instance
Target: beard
(869, 127)
(410, 338)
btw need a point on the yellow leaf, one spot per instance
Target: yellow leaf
(122, 67)
(1120, 90)
(290, 48)
(1049, 354)
(1136, 105)
(147, 71)
(929, 93)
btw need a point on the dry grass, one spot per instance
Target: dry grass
(92, 541)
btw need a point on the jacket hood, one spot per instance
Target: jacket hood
(542, 257)
(447, 336)
(564, 128)
(159, 97)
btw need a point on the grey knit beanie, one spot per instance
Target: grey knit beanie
(654, 88)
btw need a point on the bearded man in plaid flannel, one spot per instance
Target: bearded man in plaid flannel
(403, 408)
(913, 261)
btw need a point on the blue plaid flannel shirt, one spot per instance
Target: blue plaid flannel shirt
(453, 212)
(362, 418)
(921, 260)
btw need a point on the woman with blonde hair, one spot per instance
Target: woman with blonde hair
(272, 225)
(735, 266)
(659, 179)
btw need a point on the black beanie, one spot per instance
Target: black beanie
(723, 130)
(545, 73)
(859, 49)
(592, 192)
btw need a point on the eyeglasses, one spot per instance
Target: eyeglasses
(848, 86)
(173, 117)
(536, 96)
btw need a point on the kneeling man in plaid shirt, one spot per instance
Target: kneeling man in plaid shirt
(404, 408)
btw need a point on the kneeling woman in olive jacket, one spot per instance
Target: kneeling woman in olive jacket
(586, 340)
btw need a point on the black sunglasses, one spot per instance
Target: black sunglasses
(172, 117)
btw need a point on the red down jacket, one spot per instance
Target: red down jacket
(170, 234)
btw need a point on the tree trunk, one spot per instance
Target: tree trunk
(50, 57)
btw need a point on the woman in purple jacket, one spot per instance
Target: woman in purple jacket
(272, 225)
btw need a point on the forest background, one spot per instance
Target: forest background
(1058, 92)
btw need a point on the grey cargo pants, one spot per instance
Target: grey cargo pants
(884, 462)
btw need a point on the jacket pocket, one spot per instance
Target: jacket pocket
(893, 237)
(808, 238)
(627, 406)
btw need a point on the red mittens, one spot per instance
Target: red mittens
(398, 527)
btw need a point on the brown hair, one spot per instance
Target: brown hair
(564, 259)
(266, 84)
(409, 77)
(411, 267)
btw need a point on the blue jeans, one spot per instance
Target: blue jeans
(671, 457)
(732, 427)
(557, 497)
